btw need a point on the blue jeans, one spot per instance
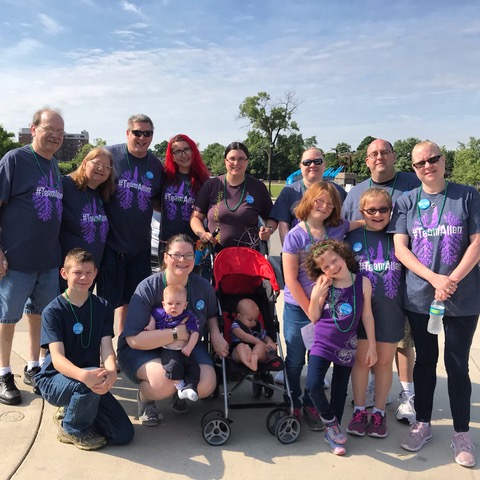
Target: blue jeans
(85, 409)
(317, 368)
(459, 333)
(294, 319)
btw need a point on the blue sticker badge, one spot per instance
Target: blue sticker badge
(200, 305)
(345, 309)
(424, 203)
(357, 246)
(77, 328)
(149, 174)
(249, 199)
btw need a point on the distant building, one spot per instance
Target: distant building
(72, 143)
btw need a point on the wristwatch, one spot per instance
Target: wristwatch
(175, 335)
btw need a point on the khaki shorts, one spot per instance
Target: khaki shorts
(407, 340)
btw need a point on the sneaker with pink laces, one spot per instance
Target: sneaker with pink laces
(463, 449)
(358, 423)
(297, 413)
(312, 419)
(377, 427)
(420, 433)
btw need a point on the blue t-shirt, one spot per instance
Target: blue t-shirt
(31, 193)
(82, 349)
(439, 236)
(84, 221)
(129, 210)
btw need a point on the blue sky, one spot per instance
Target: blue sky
(367, 67)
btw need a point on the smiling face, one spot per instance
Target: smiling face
(429, 174)
(236, 163)
(180, 266)
(380, 160)
(182, 156)
(376, 211)
(138, 146)
(97, 170)
(312, 173)
(332, 265)
(322, 207)
(47, 136)
(79, 275)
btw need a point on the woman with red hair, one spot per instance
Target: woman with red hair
(186, 173)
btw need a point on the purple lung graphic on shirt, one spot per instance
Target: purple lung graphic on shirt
(93, 216)
(46, 198)
(128, 184)
(180, 197)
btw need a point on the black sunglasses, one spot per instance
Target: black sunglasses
(315, 161)
(373, 211)
(145, 133)
(431, 161)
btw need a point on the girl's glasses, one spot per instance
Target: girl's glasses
(323, 204)
(373, 211)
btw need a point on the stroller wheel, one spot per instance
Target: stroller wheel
(256, 388)
(216, 429)
(211, 415)
(273, 418)
(269, 391)
(287, 429)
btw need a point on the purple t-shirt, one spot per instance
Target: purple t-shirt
(240, 227)
(297, 242)
(163, 320)
(439, 236)
(31, 193)
(335, 332)
(84, 222)
(130, 208)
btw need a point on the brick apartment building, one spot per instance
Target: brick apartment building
(72, 143)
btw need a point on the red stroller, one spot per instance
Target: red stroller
(241, 272)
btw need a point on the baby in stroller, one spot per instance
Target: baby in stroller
(250, 343)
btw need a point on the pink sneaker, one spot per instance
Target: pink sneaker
(463, 449)
(358, 423)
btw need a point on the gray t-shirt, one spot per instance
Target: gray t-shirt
(439, 236)
(402, 182)
(130, 208)
(31, 193)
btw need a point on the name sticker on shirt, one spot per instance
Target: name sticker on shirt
(424, 203)
(249, 199)
(357, 246)
(200, 305)
(345, 309)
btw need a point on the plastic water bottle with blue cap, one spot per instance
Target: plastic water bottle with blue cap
(435, 322)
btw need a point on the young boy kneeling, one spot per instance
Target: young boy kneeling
(76, 326)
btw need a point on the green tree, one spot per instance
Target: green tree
(270, 118)
(403, 150)
(213, 158)
(467, 163)
(160, 149)
(99, 142)
(6, 142)
(356, 160)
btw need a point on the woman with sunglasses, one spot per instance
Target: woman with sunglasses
(231, 204)
(436, 231)
(185, 174)
(319, 219)
(85, 192)
(373, 248)
(139, 349)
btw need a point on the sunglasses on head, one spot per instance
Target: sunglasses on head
(431, 161)
(373, 211)
(315, 161)
(145, 133)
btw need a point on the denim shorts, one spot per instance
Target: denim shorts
(26, 292)
(130, 359)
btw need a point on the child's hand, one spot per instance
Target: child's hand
(271, 346)
(371, 356)
(322, 285)
(186, 350)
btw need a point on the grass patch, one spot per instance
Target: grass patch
(276, 188)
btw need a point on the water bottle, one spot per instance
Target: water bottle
(435, 324)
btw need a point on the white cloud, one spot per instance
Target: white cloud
(51, 25)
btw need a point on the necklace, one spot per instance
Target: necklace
(393, 186)
(312, 238)
(57, 172)
(78, 327)
(148, 174)
(225, 194)
(441, 210)
(382, 268)
(334, 313)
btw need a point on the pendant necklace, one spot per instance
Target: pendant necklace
(78, 326)
(441, 210)
(334, 313)
(56, 172)
(382, 268)
(225, 194)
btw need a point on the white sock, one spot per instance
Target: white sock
(188, 393)
(180, 385)
(41, 361)
(32, 364)
(359, 407)
(408, 388)
(5, 370)
(375, 410)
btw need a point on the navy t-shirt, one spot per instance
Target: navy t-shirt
(31, 194)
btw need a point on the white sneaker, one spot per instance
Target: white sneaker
(370, 397)
(406, 411)
(280, 378)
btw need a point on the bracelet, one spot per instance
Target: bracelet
(174, 332)
(270, 228)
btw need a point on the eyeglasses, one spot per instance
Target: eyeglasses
(373, 211)
(315, 161)
(383, 153)
(100, 165)
(235, 159)
(323, 203)
(51, 130)
(179, 256)
(145, 133)
(431, 161)
(180, 152)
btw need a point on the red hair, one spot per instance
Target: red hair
(199, 173)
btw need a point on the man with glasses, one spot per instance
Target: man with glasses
(380, 161)
(139, 178)
(312, 166)
(30, 214)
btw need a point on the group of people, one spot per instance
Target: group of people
(360, 269)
